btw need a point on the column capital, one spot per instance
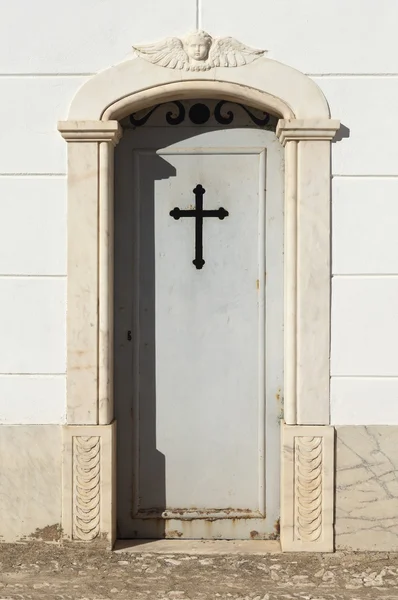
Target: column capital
(90, 131)
(289, 130)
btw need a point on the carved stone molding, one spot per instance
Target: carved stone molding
(307, 488)
(89, 483)
(198, 51)
(306, 129)
(90, 131)
(86, 487)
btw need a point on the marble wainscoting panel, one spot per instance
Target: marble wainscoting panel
(367, 488)
(30, 482)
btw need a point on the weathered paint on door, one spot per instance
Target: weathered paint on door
(198, 386)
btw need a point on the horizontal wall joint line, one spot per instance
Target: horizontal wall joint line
(391, 75)
(365, 276)
(29, 276)
(38, 375)
(367, 176)
(38, 175)
(393, 377)
(42, 75)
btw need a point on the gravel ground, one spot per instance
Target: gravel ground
(35, 570)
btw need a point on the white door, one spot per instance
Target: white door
(198, 327)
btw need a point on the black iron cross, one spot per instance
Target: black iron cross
(199, 213)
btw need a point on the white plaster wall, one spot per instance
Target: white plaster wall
(78, 37)
(47, 51)
(364, 369)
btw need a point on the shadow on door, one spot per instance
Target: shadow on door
(141, 467)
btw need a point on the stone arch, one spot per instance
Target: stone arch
(305, 130)
(137, 83)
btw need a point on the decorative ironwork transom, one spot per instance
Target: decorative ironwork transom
(207, 113)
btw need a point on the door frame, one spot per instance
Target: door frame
(305, 130)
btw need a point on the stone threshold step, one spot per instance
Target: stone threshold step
(198, 546)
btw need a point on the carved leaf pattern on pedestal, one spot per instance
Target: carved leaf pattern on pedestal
(308, 488)
(86, 487)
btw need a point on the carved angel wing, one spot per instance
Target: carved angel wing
(228, 52)
(167, 53)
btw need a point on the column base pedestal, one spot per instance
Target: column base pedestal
(307, 488)
(89, 483)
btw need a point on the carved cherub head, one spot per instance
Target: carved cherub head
(197, 45)
(198, 51)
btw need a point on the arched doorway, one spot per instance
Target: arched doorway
(305, 130)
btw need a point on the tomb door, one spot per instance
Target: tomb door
(198, 322)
